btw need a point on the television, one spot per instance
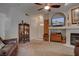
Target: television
(58, 21)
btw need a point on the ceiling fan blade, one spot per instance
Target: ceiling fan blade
(40, 9)
(26, 14)
(38, 3)
(55, 6)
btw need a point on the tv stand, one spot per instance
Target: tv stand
(56, 37)
(57, 34)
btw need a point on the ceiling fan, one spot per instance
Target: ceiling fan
(47, 6)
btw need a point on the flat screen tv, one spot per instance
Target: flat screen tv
(58, 21)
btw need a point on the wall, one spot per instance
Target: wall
(11, 16)
(15, 17)
(68, 23)
(73, 30)
(2, 29)
(3, 18)
(36, 28)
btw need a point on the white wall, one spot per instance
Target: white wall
(67, 13)
(36, 29)
(2, 29)
(3, 18)
(73, 30)
(15, 17)
(10, 17)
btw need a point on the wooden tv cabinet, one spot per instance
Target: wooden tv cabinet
(56, 37)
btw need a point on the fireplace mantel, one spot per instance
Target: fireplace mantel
(72, 27)
(69, 30)
(68, 35)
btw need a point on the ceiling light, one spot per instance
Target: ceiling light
(47, 7)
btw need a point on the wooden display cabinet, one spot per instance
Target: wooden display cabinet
(23, 32)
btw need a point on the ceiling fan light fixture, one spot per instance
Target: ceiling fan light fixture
(47, 7)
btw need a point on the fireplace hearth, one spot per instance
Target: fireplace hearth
(74, 38)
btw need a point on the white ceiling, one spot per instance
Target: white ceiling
(32, 8)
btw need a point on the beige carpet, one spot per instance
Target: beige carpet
(43, 48)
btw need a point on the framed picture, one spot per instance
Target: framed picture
(75, 15)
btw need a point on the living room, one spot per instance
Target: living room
(42, 26)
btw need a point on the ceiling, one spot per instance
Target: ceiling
(31, 8)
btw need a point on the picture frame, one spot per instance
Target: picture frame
(75, 15)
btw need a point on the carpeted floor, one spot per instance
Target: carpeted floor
(43, 48)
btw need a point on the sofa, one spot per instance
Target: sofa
(8, 47)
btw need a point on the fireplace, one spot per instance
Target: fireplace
(74, 38)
